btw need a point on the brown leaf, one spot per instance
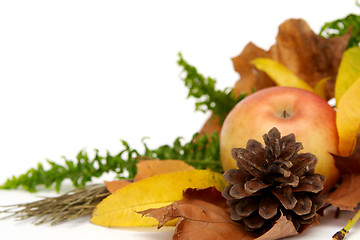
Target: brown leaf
(349, 164)
(299, 49)
(207, 210)
(347, 194)
(250, 78)
(149, 168)
(203, 209)
(282, 228)
(308, 55)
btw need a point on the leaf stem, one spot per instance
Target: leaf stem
(340, 235)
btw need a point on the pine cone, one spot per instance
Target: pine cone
(271, 180)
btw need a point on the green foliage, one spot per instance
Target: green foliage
(341, 26)
(203, 89)
(202, 153)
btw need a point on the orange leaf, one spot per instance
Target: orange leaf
(112, 186)
(149, 168)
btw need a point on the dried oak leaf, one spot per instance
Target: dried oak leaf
(347, 194)
(250, 78)
(298, 48)
(204, 214)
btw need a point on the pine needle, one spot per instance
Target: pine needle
(69, 206)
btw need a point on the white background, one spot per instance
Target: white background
(84, 74)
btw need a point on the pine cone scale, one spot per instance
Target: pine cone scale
(303, 206)
(237, 191)
(254, 185)
(246, 207)
(268, 207)
(285, 196)
(243, 156)
(236, 176)
(313, 183)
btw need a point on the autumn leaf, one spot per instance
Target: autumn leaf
(282, 228)
(207, 210)
(119, 209)
(320, 87)
(203, 209)
(113, 186)
(349, 164)
(307, 55)
(349, 71)
(250, 78)
(149, 168)
(347, 194)
(348, 118)
(280, 74)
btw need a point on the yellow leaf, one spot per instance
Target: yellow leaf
(120, 208)
(281, 75)
(319, 88)
(348, 118)
(349, 71)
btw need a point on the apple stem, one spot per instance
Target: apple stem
(285, 114)
(340, 235)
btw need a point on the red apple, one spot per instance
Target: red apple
(291, 110)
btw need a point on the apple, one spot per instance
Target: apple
(290, 110)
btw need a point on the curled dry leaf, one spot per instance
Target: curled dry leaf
(298, 48)
(204, 214)
(119, 209)
(282, 228)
